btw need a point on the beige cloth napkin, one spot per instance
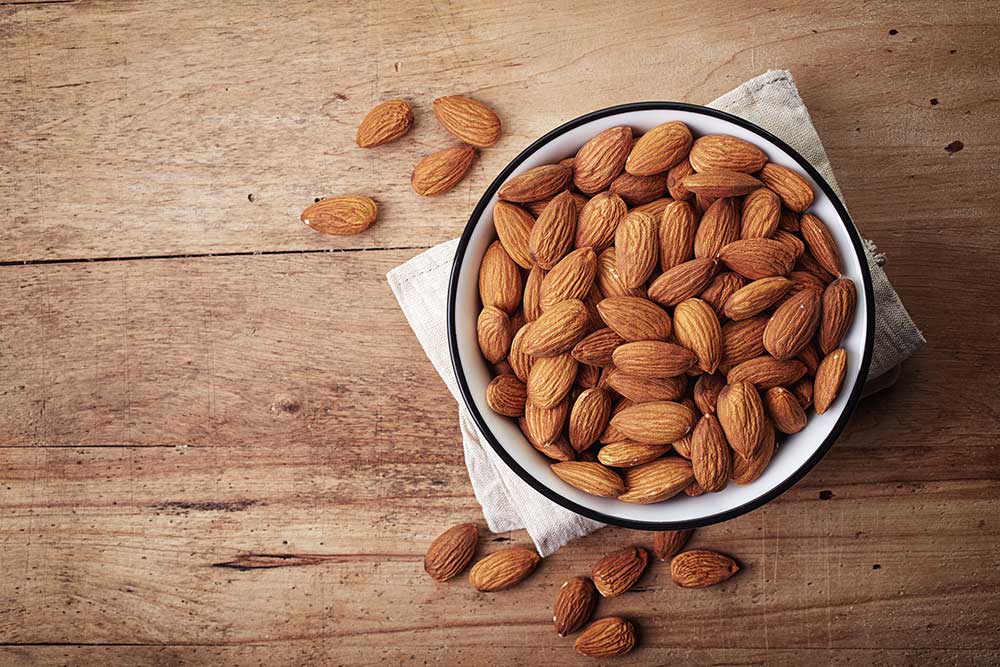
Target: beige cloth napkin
(421, 285)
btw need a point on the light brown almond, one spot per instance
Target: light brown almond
(608, 280)
(536, 183)
(545, 424)
(494, 332)
(793, 324)
(677, 232)
(639, 190)
(765, 372)
(748, 470)
(550, 379)
(606, 638)
(553, 232)
(506, 395)
(741, 414)
(839, 301)
(760, 215)
(557, 330)
(656, 481)
(451, 551)
(599, 220)
(756, 297)
(519, 361)
(711, 459)
(636, 249)
(721, 288)
(697, 328)
(792, 187)
(532, 301)
(589, 417)
(742, 340)
(721, 183)
(387, 122)
(700, 568)
(513, 225)
(720, 226)
(706, 392)
(601, 159)
(654, 209)
(653, 359)
(592, 478)
(571, 278)
(721, 152)
(341, 216)
(469, 120)
(821, 243)
(784, 410)
(499, 279)
(574, 605)
(682, 281)
(758, 258)
(655, 422)
(503, 569)
(617, 572)
(829, 379)
(441, 171)
(558, 449)
(659, 149)
(634, 318)
(629, 453)
(666, 543)
(646, 389)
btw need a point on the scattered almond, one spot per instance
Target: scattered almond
(606, 638)
(700, 568)
(439, 172)
(387, 122)
(341, 216)
(574, 605)
(451, 551)
(470, 120)
(617, 572)
(503, 569)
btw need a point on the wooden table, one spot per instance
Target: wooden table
(221, 444)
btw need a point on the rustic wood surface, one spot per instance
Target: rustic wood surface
(221, 444)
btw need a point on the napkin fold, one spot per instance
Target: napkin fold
(771, 101)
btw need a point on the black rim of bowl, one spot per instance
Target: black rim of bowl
(551, 494)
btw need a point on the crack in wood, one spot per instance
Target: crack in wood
(182, 506)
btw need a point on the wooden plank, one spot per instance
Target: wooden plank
(143, 128)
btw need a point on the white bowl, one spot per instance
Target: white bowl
(794, 457)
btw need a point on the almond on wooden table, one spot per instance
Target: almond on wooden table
(617, 572)
(606, 638)
(656, 481)
(592, 478)
(700, 568)
(451, 551)
(341, 216)
(829, 379)
(741, 414)
(470, 120)
(574, 605)
(387, 122)
(793, 189)
(601, 159)
(513, 225)
(721, 152)
(536, 183)
(441, 171)
(666, 543)
(599, 221)
(503, 569)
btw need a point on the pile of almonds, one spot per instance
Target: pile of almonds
(671, 310)
(577, 598)
(470, 121)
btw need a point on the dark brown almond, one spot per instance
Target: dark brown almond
(451, 551)
(829, 379)
(699, 568)
(574, 605)
(803, 390)
(617, 572)
(839, 301)
(666, 543)
(793, 324)
(706, 392)
(711, 459)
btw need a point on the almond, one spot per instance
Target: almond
(553, 232)
(706, 392)
(721, 152)
(451, 551)
(387, 122)
(506, 395)
(803, 390)
(536, 207)
(719, 226)
(654, 422)
(675, 181)
(721, 183)
(765, 372)
(809, 356)
(829, 379)
(790, 241)
(711, 459)
(592, 478)
(499, 279)
(794, 190)
(634, 318)
(601, 159)
(574, 605)
(839, 301)
(756, 297)
(495, 333)
(702, 202)
(617, 572)
(558, 449)
(653, 359)
(589, 418)
(793, 325)
(806, 262)
(636, 249)
(683, 446)
(612, 434)
(439, 172)
(545, 424)
(788, 221)
(503, 569)
(654, 209)
(533, 293)
(519, 361)
(571, 278)
(606, 638)
(341, 216)
(596, 348)
(599, 220)
(741, 414)
(758, 258)
(629, 453)
(656, 481)
(550, 380)
(821, 243)
(693, 489)
(697, 328)
(742, 340)
(748, 470)
(677, 232)
(469, 120)
(513, 225)
(536, 183)
(645, 389)
(666, 543)
(683, 281)
(721, 288)
(557, 330)
(639, 190)
(761, 213)
(659, 149)
(700, 568)
(784, 410)
(588, 376)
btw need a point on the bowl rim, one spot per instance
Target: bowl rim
(550, 493)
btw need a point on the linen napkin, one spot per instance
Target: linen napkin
(771, 101)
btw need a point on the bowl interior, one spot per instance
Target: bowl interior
(793, 458)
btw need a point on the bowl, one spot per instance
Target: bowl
(797, 454)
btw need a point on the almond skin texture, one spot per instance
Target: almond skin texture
(553, 232)
(557, 330)
(789, 220)
(601, 159)
(536, 207)
(653, 358)
(675, 181)
(697, 328)
(628, 453)
(719, 226)
(646, 389)
(790, 241)
(533, 293)
(550, 380)
(809, 356)
(589, 417)
(588, 376)
(571, 278)
(761, 212)
(721, 288)
(636, 248)
(655, 482)
(765, 372)
(793, 325)
(494, 331)
(451, 551)
(536, 183)
(677, 231)
(655, 422)
(666, 543)
(543, 431)
(721, 183)
(748, 470)
(803, 391)
(387, 122)
(794, 191)
(506, 395)
(756, 297)
(634, 318)
(741, 414)
(683, 446)
(599, 220)
(439, 172)
(721, 152)
(706, 392)
(513, 225)
(341, 216)
(805, 280)
(520, 362)
(742, 340)
(596, 348)
(608, 280)
(639, 190)
(611, 434)
(711, 459)
(503, 569)
(659, 149)
(758, 258)
(617, 572)
(655, 208)
(592, 478)
(839, 301)
(829, 379)
(574, 606)
(469, 120)
(821, 243)
(499, 279)
(700, 568)
(606, 638)
(784, 410)
(682, 281)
